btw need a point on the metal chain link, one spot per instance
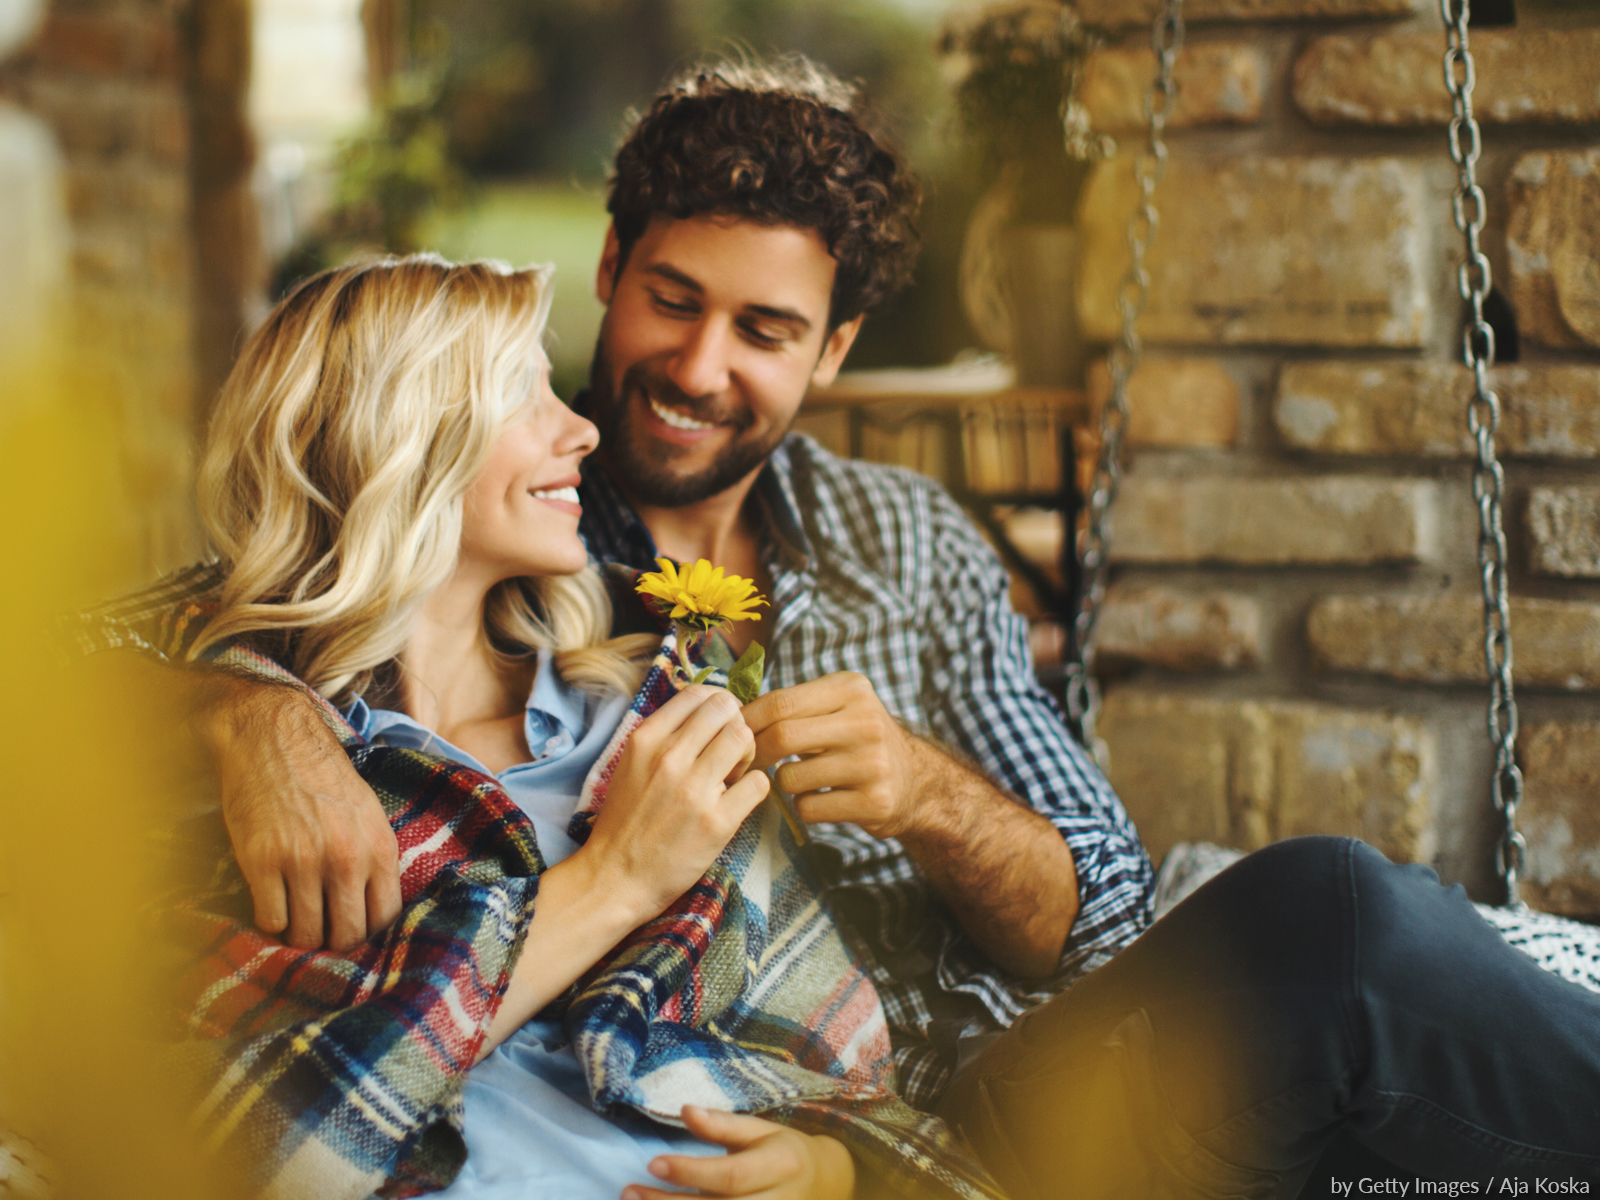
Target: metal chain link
(1094, 548)
(1473, 280)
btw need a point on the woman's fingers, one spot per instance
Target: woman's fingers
(746, 793)
(640, 1192)
(727, 753)
(689, 742)
(733, 1130)
(669, 718)
(761, 1155)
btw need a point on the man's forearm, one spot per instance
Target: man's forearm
(309, 835)
(1003, 869)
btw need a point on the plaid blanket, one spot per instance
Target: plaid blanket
(334, 1075)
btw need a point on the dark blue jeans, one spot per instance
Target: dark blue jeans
(1312, 991)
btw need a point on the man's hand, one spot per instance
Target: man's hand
(764, 1160)
(1001, 867)
(848, 743)
(309, 834)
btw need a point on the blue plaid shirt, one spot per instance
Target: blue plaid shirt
(877, 570)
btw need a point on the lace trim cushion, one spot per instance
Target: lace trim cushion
(1566, 948)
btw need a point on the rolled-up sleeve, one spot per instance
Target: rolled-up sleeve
(984, 700)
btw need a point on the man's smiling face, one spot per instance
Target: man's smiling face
(714, 330)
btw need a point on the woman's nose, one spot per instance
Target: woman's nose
(580, 436)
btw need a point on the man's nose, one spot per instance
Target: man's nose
(700, 367)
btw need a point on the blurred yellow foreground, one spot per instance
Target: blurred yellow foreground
(94, 763)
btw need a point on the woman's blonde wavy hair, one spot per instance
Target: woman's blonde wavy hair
(338, 457)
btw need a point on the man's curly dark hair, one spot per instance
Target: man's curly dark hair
(780, 143)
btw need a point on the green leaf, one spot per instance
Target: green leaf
(716, 653)
(702, 675)
(744, 680)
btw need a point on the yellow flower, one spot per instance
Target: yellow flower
(701, 595)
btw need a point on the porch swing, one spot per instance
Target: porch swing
(1565, 947)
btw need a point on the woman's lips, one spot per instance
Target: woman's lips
(565, 498)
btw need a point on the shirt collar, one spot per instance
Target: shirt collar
(556, 713)
(558, 702)
(614, 532)
(774, 491)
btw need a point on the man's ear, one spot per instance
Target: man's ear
(833, 352)
(605, 275)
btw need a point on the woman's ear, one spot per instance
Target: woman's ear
(605, 275)
(833, 352)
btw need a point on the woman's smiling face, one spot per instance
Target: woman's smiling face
(520, 516)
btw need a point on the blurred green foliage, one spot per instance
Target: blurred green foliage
(1014, 65)
(403, 167)
(499, 107)
(528, 221)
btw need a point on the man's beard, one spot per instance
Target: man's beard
(635, 466)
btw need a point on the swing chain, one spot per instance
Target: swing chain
(1094, 547)
(1483, 420)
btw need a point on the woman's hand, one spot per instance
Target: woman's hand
(681, 790)
(764, 1160)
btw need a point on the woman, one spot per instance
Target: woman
(390, 487)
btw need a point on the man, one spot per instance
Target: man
(981, 863)
(896, 660)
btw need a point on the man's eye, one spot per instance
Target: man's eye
(672, 306)
(765, 336)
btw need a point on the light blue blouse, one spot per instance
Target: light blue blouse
(530, 1130)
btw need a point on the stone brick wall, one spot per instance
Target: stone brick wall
(1294, 629)
(145, 100)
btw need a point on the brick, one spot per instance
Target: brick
(111, 119)
(1181, 402)
(1251, 250)
(105, 257)
(167, 264)
(1116, 13)
(1523, 75)
(1553, 242)
(163, 130)
(1439, 639)
(1219, 83)
(1246, 773)
(1559, 817)
(34, 238)
(1255, 521)
(113, 46)
(1181, 631)
(1564, 531)
(1419, 408)
(99, 192)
